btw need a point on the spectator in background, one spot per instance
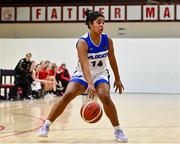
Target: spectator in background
(35, 82)
(42, 74)
(47, 63)
(51, 77)
(22, 73)
(64, 76)
(46, 76)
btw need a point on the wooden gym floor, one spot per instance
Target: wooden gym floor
(145, 118)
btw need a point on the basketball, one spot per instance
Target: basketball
(91, 112)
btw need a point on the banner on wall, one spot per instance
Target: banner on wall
(77, 13)
(7, 13)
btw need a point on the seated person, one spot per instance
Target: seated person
(64, 76)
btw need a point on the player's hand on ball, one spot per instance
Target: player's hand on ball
(91, 91)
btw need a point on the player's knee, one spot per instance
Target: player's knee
(105, 98)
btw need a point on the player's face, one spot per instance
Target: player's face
(98, 25)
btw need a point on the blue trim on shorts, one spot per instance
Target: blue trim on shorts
(80, 81)
(100, 81)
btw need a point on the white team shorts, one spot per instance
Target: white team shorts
(102, 77)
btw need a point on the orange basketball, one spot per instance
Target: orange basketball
(91, 112)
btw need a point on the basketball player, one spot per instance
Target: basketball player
(93, 48)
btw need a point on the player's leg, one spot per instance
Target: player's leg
(110, 110)
(109, 107)
(73, 89)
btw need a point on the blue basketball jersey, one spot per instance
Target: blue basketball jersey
(97, 54)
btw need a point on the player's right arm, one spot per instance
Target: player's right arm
(82, 49)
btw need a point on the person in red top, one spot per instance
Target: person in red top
(52, 70)
(42, 72)
(51, 77)
(42, 75)
(64, 76)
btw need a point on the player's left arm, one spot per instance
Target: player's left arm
(113, 63)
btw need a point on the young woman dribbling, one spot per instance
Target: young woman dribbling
(91, 76)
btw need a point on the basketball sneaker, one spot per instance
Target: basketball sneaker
(120, 137)
(43, 131)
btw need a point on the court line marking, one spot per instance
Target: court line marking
(2, 128)
(85, 129)
(22, 132)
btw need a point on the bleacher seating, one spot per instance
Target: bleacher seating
(6, 82)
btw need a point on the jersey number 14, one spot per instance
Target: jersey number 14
(97, 63)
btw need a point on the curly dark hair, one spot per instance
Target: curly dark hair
(91, 16)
